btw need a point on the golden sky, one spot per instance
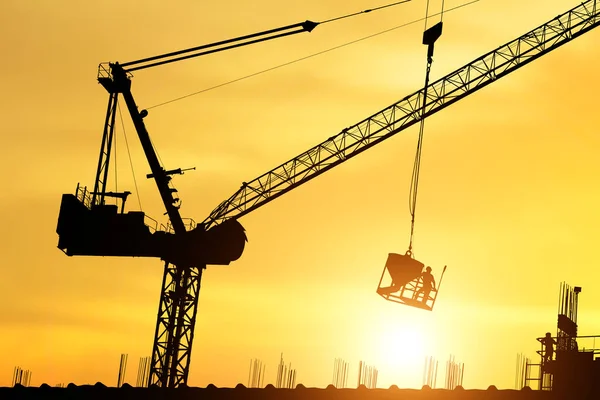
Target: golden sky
(507, 199)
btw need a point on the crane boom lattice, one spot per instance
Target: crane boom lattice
(445, 91)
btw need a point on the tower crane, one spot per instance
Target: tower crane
(88, 226)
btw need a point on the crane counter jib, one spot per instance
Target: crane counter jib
(192, 52)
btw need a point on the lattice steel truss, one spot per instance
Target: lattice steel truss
(105, 150)
(181, 284)
(355, 139)
(174, 335)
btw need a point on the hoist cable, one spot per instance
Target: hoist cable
(114, 140)
(365, 11)
(442, 12)
(426, 15)
(137, 192)
(414, 183)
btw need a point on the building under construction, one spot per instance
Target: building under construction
(568, 364)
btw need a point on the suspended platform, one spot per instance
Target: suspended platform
(408, 282)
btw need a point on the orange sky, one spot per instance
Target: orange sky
(508, 195)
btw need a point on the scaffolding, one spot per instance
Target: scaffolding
(567, 361)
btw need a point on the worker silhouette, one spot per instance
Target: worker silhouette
(548, 343)
(428, 284)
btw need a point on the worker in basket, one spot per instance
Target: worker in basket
(428, 284)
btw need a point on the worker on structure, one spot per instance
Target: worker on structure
(428, 284)
(548, 343)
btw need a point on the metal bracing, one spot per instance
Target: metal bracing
(105, 147)
(176, 320)
(181, 284)
(353, 140)
(178, 302)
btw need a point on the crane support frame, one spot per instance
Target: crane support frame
(172, 347)
(178, 306)
(445, 91)
(178, 303)
(105, 150)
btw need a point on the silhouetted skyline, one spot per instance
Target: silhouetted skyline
(506, 200)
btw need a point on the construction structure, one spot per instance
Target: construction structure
(88, 226)
(143, 372)
(565, 365)
(340, 373)
(256, 374)
(430, 372)
(286, 376)
(122, 370)
(367, 375)
(455, 372)
(21, 377)
(522, 372)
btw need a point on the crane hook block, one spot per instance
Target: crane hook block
(407, 282)
(429, 37)
(432, 34)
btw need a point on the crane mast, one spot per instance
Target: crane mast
(181, 283)
(357, 138)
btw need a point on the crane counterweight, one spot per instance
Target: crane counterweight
(101, 230)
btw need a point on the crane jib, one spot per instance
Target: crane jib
(445, 91)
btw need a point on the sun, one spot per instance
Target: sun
(402, 349)
(403, 342)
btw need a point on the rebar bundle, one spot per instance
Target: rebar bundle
(454, 373)
(430, 372)
(143, 373)
(522, 371)
(122, 368)
(367, 375)
(256, 375)
(286, 376)
(21, 377)
(340, 373)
